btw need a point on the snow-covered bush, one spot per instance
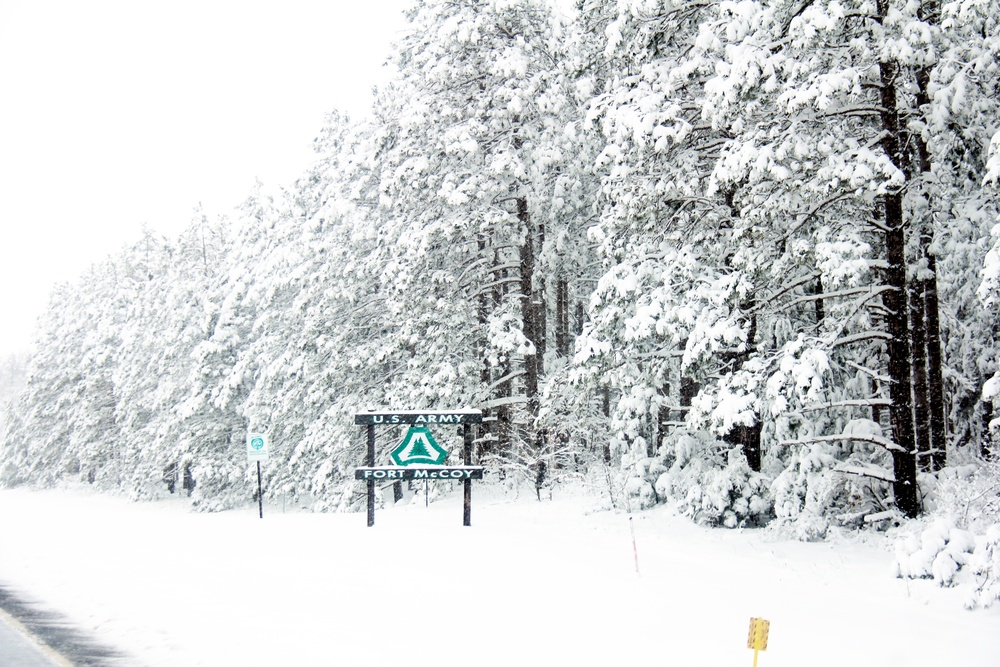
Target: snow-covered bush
(223, 485)
(631, 485)
(822, 487)
(833, 483)
(804, 492)
(712, 482)
(970, 494)
(962, 544)
(984, 564)
(937, 553)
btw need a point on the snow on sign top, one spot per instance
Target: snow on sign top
(420, 417)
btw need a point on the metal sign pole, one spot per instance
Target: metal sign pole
(257, 451)
(467, 460)
(370, 461)
(260, 494)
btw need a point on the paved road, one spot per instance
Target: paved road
(61, 644)
(17, 650)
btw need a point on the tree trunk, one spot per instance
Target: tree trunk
(504, 390)
(529, 311)
(532, 319)
(562, 317)
(485, 370)
(689, 389)
(921, 407)
(541, 307)
(901, 409)
(820, 309)
(930, 11)
(748, 438)
(986, 434)
(935, 375)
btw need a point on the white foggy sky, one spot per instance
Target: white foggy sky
(116, 114)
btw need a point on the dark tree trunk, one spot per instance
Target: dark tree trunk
(533, 324)
(930, 11)
(581, 318)
(689, 389)
(986, 434)
(748, 438)
(921, 407)
(503, 391)
(541, 310)
(529, 311)
(877, 409)
(662, 419)
(900, 391)
(562, 317)
(606, 411)
(901, 409)
(485, 370)
(935, 375)
(820, 310)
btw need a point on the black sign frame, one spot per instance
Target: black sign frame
(464, 418)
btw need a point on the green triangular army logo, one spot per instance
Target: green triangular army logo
(418, 447)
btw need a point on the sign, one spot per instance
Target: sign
(423, 417)
(419, 456)
(757, 640)
(418, 472)
(257, 447)
(418, 448)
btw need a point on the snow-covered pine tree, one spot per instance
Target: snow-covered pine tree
(818, 167)
(673, 309)
(466, 203)
(64, 419)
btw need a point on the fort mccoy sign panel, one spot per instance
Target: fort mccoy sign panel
(419, 456)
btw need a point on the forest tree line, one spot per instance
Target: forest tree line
(734, 254)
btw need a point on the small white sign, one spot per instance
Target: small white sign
(256, 447)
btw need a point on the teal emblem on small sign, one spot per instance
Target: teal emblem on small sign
(257, 447)
(418, 448)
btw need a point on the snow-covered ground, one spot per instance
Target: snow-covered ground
(527, 584)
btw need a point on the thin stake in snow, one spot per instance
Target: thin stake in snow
(635, 550)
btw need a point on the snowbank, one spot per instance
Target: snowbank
(528, 584)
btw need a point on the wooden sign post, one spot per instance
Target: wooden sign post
(419, 456)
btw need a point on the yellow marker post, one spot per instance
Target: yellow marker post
(757, 640)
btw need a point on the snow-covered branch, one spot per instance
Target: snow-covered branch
(864, 335)
(855, 110)
(836, 338)
(856, 403)
(859, 437)
(875, 375)
(504, 400)
(866, 470)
